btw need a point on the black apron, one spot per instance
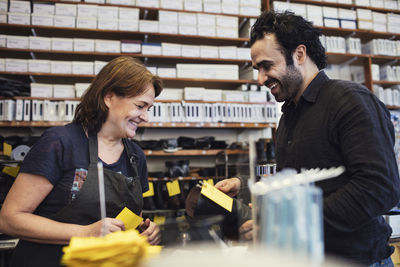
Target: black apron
(120, 192)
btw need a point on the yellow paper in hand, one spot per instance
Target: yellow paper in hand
(12, 171)
(7, 149)
(217, 196)
(130, 219)
(159, 220)
(150, 192)
(173, 188)
(210, 181)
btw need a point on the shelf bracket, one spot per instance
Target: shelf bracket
(32, 79)
(33, 32)
(350, 35)
(245, 44)
(146, 12)
(145, 60)
(146, 37)
(241, 24)
(33, 55)
(351, 60)
(393, 37)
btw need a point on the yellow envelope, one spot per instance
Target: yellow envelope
(217, 196)
(173, 188)
(7, 149)
(150, 192)
(130, 219)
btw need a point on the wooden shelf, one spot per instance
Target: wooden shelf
(168, 82)
(364, 35)
(340, 58)
(50, 54)
(338, 5)
(46, 124)
(393, 107)
(147, 8)
(118, 35)
(195, 152)
(386, 83)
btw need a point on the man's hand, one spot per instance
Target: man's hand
(229, 186)
(151, 231)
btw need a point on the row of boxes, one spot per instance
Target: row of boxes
(213, 112)
(389, 96)
(387, 4)
(338, 44)
(153, 26)
(37, 110)
(382, 47)
(243, 7)
(385, 73)
(123, 46)
(51, 66)
(58, 90)
(346, 72)
(344, 18)
(202, 94)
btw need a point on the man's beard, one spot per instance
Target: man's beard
(290, 84)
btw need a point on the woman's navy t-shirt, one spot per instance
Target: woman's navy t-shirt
(62, 156)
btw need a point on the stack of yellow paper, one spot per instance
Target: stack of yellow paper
(123, 248)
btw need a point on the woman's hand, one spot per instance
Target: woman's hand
(229, 186)
(103, 227)
(151, 231)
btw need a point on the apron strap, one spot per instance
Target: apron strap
(93, 153)
(132, 158)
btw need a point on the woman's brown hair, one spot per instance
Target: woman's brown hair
(123, 76)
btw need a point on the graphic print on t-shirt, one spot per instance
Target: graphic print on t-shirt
(79, 179)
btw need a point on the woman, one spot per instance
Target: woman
(55, 196)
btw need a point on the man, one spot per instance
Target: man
(329, 123)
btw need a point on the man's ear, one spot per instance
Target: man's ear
(300, 54)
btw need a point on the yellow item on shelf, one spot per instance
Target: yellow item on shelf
(123, 248)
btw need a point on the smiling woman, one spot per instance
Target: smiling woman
(56, 189)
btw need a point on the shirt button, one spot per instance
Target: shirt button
(289, 142)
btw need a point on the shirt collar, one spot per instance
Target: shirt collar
(311, 92)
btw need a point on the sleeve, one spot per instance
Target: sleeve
(45, 157)
(365, 136)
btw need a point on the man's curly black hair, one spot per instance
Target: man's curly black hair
(290, 31)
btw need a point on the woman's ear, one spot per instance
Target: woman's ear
(108, 98)
(300, 54)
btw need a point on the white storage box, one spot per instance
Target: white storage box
(151, 49)
(171, 4)
(61, 67)
(192, 5)
(206, 19)
(41, 90)
(193, 93)
(212, 7)
(107, 46)
(171, 94)
(63, 44)
(228, 52)
(169, 49)
(107, 24)
(187, 19)
(129, 13)
(39, 65)
(64, 90)
(83, 45)
(167, 72)
(4, 6)
(227, 32)
(42, 19)
(167, 17)
(148, 3)
(224, 21)
(20, 6)
(212, 95)
(98, 65)
(16, 65)
(44, 9)
(148, 25)
(80, 88)
(243, 53)
(168, 28)
(206, 30)
(19, 18)
(128, 25)
(187, 29)
(20, 42)
(66, 9)
(82, 67)
(131, 46)
(208, 71)
(3, 40)
(87, 10)
(110, 12)
(190, 51)
(207, 51)
(86, 22)
(64, 21)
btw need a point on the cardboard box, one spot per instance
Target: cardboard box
(19, 18)
(167, 17)
(64, 44)
(83, 45)
(230, 9)
(169, 49)
(38, 65)
(223, 21)
(227, 32)
(151, 49)
(43, 20)
(187, 29)
(66, 9)
(108, 24)
(148, 25)
(167, 72)
(82, 67)
(20, 42)
(192, 5)
(212, 7)
(84, 10)
(64, 90)
(111, 12)
(207, 51)
(168, 28)
(206, 19)
(128, 13)
(187, 19)
(228, 52)
(16, 65)
(193, 93)
(171, 4)
(190, 50)
(107, 46)
(128, 25)
(86, 22)
(41, 90)
(44, 9)
(64, 21)
(20, 7)
(61, 67)
(206, 31)
(131, 46)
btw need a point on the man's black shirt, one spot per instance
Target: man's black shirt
(341, 123)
